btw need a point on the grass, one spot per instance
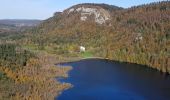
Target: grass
(86, 54)
(31, 47)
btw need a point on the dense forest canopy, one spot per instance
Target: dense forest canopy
(140, 34)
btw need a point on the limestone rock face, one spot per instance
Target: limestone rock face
(99, 14)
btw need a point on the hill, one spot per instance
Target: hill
(10, 25)
(139, 34)
(15, 26)
(19, 22)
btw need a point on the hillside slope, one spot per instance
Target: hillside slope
(138, 34)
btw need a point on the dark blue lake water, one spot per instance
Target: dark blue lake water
(95, 79)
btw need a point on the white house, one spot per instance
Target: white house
(139, 37)
(82, 49)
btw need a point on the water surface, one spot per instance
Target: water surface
(96, 79)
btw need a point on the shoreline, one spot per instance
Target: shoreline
(60, 72)
(37, 80)
(100, 58)
(43, 84)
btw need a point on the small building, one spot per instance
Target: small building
(138, 37)
(82, 49)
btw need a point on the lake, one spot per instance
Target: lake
(96, 79)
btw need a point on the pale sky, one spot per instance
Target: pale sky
(43, 9)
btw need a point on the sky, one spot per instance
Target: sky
(43, 9)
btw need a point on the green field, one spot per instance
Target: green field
(86, 54)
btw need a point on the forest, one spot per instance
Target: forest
(25, 75)
(140, 34)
